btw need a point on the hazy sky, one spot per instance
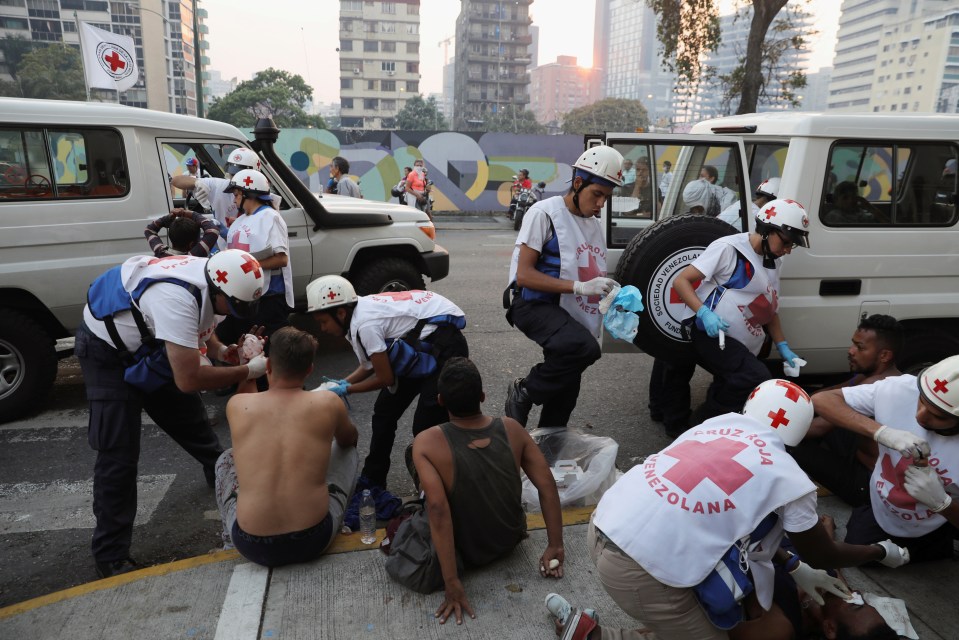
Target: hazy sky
(302, 37)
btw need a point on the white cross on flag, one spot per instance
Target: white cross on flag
(109, 59)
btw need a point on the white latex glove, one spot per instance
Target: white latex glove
(257, 367)
(813, 580)
(202, 194)
(923, 484)
(896, 556)
(598, 286)
(908, 444)
(250, 347)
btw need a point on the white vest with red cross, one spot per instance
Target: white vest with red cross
(748, 309)
(251, 233)
(677, 513)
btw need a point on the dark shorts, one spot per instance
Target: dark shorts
(284, 548)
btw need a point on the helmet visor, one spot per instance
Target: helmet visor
(797, 237)
(234, 169)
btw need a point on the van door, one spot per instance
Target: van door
(671, 174)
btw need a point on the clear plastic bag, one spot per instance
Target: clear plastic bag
(584, 466)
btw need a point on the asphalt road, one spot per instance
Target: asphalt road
(46, 464)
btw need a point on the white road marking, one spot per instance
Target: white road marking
(243, 605)
(49, 506)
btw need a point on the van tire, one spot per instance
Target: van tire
(385, 275)
(642, 260)
(28, 364)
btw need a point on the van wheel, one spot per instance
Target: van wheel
(925, 346)
(651, 262)
(385, 275)
(28, 364)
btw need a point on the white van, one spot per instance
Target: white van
(881, 195)
(80, 181)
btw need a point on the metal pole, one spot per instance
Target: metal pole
(83, 64)
(196, 62)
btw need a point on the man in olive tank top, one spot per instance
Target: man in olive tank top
(480, 516)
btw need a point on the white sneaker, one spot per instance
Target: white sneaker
(561, 608)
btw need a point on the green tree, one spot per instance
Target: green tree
(609, 114)
(13, 49)
(689, 29)
(52, 72)
(272, 92)
(514, 120)
(421, 115)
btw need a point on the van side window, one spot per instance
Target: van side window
(881, 185)
(47, 164)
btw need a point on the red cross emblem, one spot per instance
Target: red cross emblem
(248, 180)
(674, 296)
(236, 244)
(331, 295)
(940, 387)
(396, 296)
(778, 418)
(713, 460)
(115, 61)
(793, 390)
(221, 276)
(896, 476)
(249, 264)
(590, 271)
(771, 212)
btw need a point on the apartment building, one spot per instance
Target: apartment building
(162, 30)
(559, 87)
(379, 61)
(492, 57)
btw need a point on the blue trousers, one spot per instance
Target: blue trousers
(736, 372)
(114, 433)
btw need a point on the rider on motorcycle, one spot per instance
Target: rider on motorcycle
(520, 183)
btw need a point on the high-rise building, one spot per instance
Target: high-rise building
(861, 25)
(492, 56)
(918, 64)
(559, 87)
(626, 56)
(162, 31)
(379, 61)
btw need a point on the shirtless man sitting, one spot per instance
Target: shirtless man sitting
(283, 487)
(841, 460)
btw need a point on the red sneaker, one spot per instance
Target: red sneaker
(578, 626)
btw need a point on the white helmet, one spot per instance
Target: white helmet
(939, 385)
(327, 292)
(242, 158)
(253, 184)
(784, 406)
(603, 162)
(787, 216)
(237, 275)
(768, 188)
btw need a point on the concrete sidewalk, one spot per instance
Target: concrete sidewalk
(347, 594)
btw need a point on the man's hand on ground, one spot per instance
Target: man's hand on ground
(454, 602)
(551, 564)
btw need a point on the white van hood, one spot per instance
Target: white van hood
(344, 204)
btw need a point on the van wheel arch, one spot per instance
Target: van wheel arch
(926, 343)
(386, 274)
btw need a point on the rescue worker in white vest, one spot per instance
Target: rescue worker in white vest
(210, 192)
(913, 497)
(147, 330)
(673, 538)
(557, 278)
(736, 303)
(401, 340)
(260, 230)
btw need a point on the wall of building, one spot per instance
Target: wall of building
(470, 171)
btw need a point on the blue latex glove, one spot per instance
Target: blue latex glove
(340, 388)
(712, 323)
(629, 298)
(788, 356)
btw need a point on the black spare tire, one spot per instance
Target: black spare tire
(651, 262)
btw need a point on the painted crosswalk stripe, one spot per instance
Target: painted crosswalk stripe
(243, 605)
(48, 506)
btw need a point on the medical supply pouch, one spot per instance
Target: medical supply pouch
(411, 357)
(151, 367)
(722, 592)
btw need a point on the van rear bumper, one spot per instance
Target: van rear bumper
(436, 263)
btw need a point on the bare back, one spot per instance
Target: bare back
(281, 445)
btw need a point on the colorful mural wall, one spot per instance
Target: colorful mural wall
(470, 171)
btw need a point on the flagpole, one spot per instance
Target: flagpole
(82, 63)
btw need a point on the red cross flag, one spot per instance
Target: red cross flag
(109, 59)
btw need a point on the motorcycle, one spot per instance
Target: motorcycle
(525, 198)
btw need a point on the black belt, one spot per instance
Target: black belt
(609, 544)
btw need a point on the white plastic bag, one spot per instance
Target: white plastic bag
(584, 466)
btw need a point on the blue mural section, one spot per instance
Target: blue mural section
(470, 171)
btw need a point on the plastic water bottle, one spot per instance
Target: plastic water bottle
(367, 518)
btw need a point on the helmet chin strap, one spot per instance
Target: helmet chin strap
(344, 325)
(582, 185)
(769, 260)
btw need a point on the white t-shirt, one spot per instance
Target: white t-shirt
(681, 510)
(169, 310)
(222, 203)
(387, 316)
(265, 231)
(894, 402)
(731, 214)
